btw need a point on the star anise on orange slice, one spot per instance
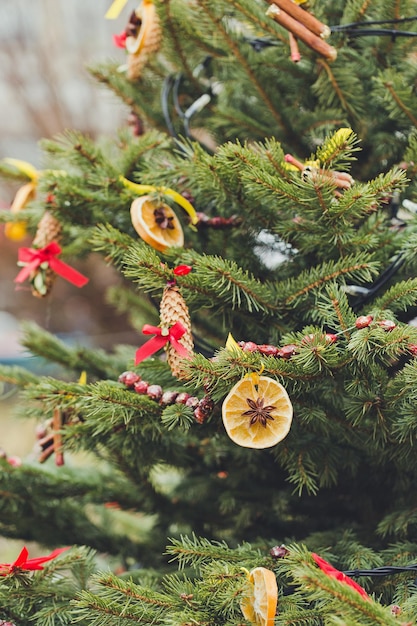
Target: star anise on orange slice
(258, 412)
(270, 412)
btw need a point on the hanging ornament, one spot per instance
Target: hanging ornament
(173, 309)
(43, 277)
(260, 604)
(257, 412)
(156, 223)
(143, 38)
(303, 25)
(174, 333)
(40, 264)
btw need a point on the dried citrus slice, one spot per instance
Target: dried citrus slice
(156, 223)
(257, 412)
(147, 24)
(260, 605)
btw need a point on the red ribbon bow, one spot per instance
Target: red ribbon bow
(33, 258)
(23, 563)
(338, 575)
(162, 337)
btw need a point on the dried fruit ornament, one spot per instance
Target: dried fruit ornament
(143, 38)
(260, 605)
(156, 223)
(257, 412)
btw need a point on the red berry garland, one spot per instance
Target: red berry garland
(202, 409)
(287, 351)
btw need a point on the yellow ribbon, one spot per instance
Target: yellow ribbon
(231, 344)
(177, 197)
(115, 9)
(16, 231)
(24, 168)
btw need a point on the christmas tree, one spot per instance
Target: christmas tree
(251, 458)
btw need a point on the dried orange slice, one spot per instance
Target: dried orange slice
(156, 223)
(260, 605)
(257, 412)
(148, 22)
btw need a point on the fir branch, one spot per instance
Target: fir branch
(111, 241)
(196, 551)
(339, 90)
(232, 285)
(302, 472)
(399, 100)
(77, 147)
(174, 30)
(236, 53)
(95, 362)
(375, 345)
(400, 297)
(295, 290)
(338, 149)
(342, 600)
(17, 376)
(107, 74)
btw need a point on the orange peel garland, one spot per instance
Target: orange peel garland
(257, 412)
(260, 604)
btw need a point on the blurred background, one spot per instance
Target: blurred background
(44, 89)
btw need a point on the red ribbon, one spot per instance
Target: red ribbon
(33, 258)
(338, 575)
(161, 338)
(23, 563)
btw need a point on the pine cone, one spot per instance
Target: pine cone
(174, 309)
(49, 230)
(146, 42)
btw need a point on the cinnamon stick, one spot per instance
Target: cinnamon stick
(301, 32)
(57, 425)
(294, 49)
(303, 16)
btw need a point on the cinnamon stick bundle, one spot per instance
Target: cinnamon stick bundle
(313, 41)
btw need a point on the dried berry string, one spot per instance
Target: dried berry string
(202, 408)
(287, 351)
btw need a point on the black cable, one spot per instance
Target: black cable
(166, 90)
(381, 571)
(380, 32)
(363, 294)
(372, 23)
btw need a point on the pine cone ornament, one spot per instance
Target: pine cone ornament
(49, 230)
(173, 308)
(144, 38)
